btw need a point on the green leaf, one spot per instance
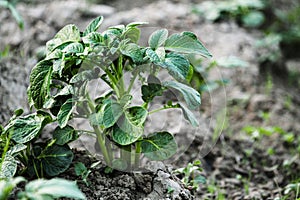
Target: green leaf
(54, 188)
(159, 146)
(18, 112)
(80, 169)
(55, 159)
(153, 56)
(190, 95)
(75, 47)
(93, 38)
(161, 53)
(93, 25)
(8, 167)
(153, 89)
(65, 112)
(85, 75)
(16, 149)
(188, 115)
(133, 51)
(135, 24)
(136, 115)
(66, 90)
(40, 78)
(112, 33)
(186, 42)
(158, 38)
(64, 135)
(24, 129)
(177, 65)
(130, 126)
(56, 54)
(67, 34)
(133, 34)
(108, 114)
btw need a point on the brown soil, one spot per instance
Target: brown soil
(236, 165)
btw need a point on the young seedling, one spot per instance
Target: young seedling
(82, 171)
(191, 177)
(59, 91)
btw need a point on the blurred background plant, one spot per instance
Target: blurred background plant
(278, 20)
(11, 6)
(201, 79)
(246, 12)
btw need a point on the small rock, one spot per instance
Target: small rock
(143, 182)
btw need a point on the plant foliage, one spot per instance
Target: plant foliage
(59, 91)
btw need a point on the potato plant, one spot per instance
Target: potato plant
(59, 92)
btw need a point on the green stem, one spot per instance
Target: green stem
(100, 139)
(163, 108)
(132, 81)
(101, 142)
(35, 170)
(114, 82)
(138, 151)
(157, 110)
(126, 155)
(4, 152)
(109, 148)
(122, 87)
(120, 76)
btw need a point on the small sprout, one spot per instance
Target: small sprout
(82, 171)
(191, 176)
(170, 190)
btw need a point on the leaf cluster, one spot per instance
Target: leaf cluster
(40, 189)
(59, 92)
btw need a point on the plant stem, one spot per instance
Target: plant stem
(126, 155)
(120, 76)
(163, 108)
(5, 149)
(35, 170)
(132, 81)
(157, 110)
(100, 139)
(138, 151)
(114, 82)
(102, 145)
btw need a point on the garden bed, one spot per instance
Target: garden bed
(239, 163)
